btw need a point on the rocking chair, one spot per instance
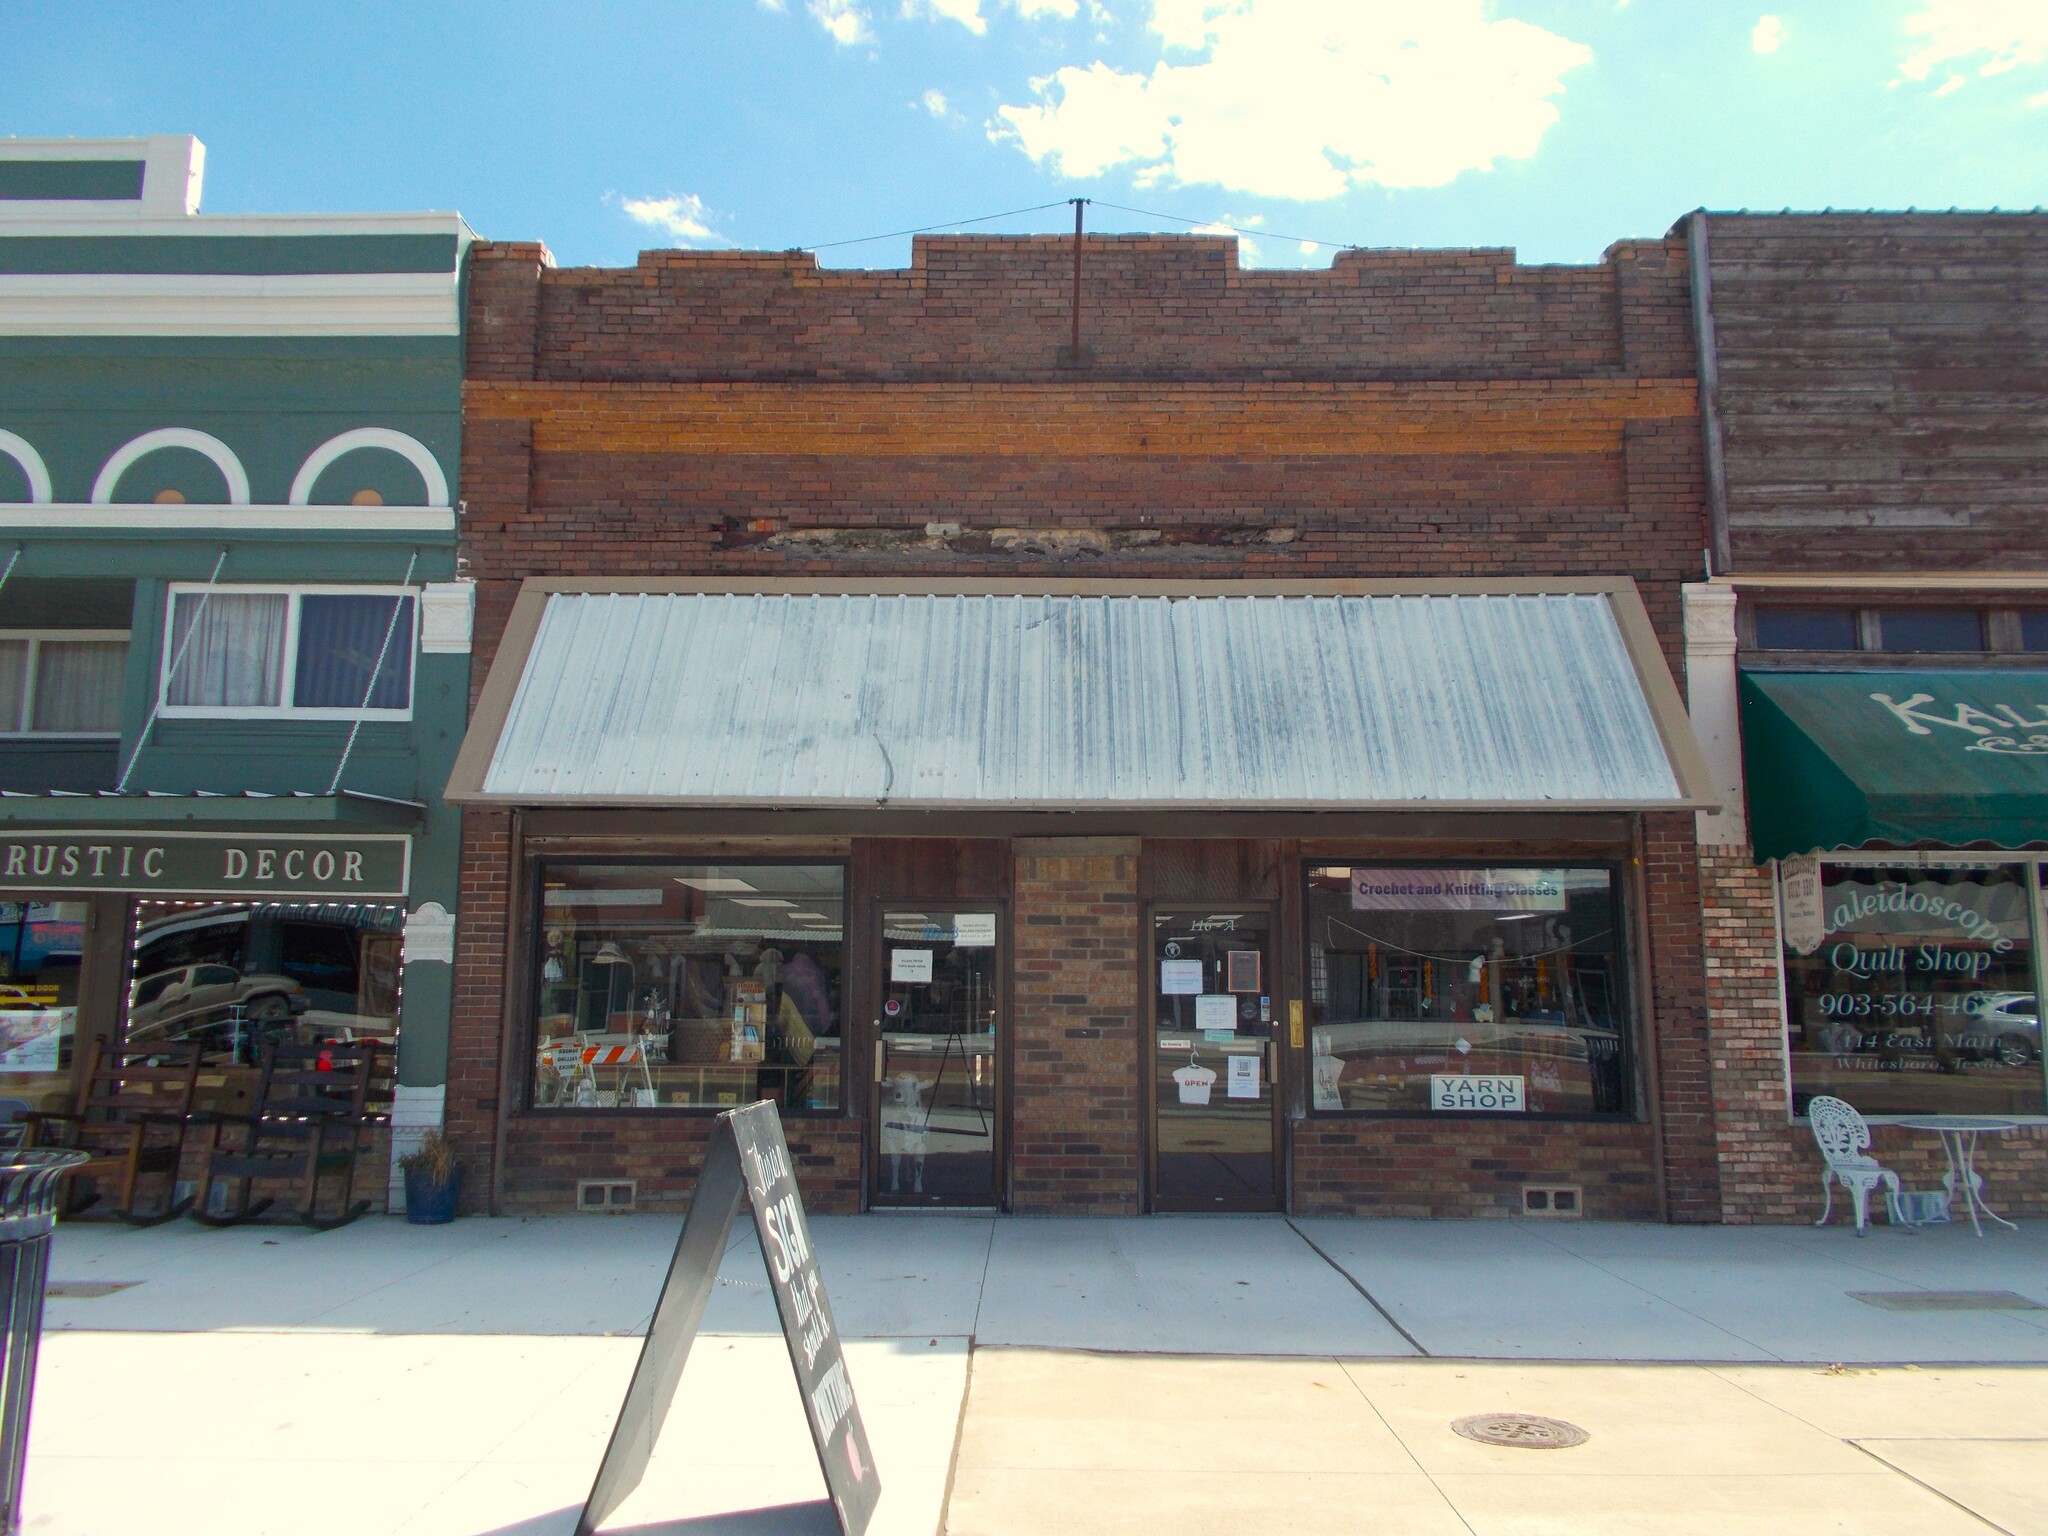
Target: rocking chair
(131, 1124)
(316, 1106)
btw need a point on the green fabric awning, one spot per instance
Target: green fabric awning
(1843, 759)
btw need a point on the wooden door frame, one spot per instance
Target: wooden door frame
(871, 1083)
(1148, 1039)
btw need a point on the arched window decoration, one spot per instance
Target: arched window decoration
(129, 454)
(23, 453)
(411, 449)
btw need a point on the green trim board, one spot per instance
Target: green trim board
(110, 813)
(267, 255)
(1846, 759)
(71, 181)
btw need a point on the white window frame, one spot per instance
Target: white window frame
(285, 710)
(2036, 865)
(36, 639)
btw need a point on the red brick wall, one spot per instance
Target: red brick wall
(1770, 1167)
(1152, 306)
(1358, 1167)
(1076, 1103)
(1405, 414)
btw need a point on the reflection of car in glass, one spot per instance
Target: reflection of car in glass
(2011, 1019)
(216, 1005)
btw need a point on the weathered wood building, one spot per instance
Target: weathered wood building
(1868, 669)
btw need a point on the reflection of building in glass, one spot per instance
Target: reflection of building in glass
(1515, 978)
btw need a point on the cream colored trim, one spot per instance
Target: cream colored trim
(1667, 709)
(1058, 586)
(133, 451)
(1837, 581)
(1710, 692)
(23, 452)
(77, 220)
(198, 518)
(411, 449)
(232, 304)
(494, 701)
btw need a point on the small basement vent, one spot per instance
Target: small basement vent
(606, 1197)
(1567, 1200)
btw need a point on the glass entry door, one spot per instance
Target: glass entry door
(936, 1122)
(1213, 1060)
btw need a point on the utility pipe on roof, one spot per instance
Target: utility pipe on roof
(1720, 549)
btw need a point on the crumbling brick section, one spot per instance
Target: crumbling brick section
(1075, 1103)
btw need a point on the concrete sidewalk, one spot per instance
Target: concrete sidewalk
(1196, 1374)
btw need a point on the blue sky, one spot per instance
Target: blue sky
(1553, 126)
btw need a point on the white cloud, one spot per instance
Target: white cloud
(1992, 35)
(846, 20)
(772, 5)
(1300, 99)
(1031, 10)
(933, 101)
(1767, 34)
(1247, 247)
(2040, 100)
(966, 12)
(683, 217)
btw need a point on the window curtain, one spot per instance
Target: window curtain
(78, 685)
(232, 651)
(339, 638)
(13, 671)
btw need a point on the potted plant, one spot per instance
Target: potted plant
(433, 1181)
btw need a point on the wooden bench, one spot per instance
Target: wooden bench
(131, 1121)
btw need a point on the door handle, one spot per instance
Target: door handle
(878, 1051)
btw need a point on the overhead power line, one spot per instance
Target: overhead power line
(898, 234)
(1068, 202)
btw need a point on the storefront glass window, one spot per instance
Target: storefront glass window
(1916, 992)
(685, 986)
(234, 977)
(41, 944)
(1467, 990)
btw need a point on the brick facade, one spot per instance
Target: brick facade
(1402, 415)
(1074, 1090)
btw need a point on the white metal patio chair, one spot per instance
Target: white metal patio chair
(1843, 1138)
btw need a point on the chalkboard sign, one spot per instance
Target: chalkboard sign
(747, 1159)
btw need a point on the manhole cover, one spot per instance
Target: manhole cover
(87, 1290)
(1949, 1301)
(1529, 1431)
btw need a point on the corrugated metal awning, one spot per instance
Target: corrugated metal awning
(1082, 701)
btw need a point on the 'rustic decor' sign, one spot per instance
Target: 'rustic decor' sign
(205, 863)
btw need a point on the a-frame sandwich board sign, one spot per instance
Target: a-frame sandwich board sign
(747, 1159)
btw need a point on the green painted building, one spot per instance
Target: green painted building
(234, 638)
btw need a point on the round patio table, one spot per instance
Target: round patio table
(1959, 1135)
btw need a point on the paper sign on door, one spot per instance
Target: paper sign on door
(1216, 1014)
(1180, 978)
(974, 930)
(1244, 1077)
(910, 965)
